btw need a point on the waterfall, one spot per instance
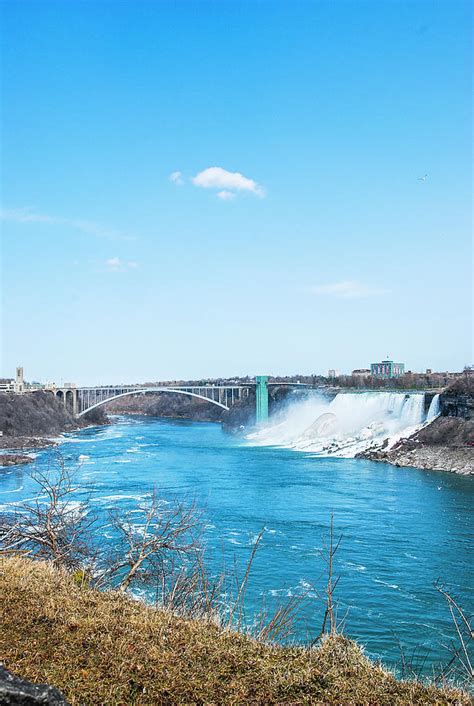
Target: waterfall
(347, 424)
(413, 410)
(433, 411)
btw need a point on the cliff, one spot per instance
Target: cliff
(31, 419)
(105, 648)
(458, 399)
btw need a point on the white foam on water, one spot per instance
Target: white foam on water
(393, 586)
(16, 490)
(114, 498)
(347, 424)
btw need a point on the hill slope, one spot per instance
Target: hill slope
(104, 648)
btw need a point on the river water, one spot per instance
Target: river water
(402, 528)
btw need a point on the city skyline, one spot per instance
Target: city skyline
(376, 370)
(290, 195)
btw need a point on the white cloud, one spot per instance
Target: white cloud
(177, 178)
(218, 178)
(115, 264)
(26, 215)
(225, 195)
(350, 289)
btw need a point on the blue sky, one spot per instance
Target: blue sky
(315, 243)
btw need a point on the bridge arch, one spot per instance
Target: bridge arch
(69, 400)
(152, 389)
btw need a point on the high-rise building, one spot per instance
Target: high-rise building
(387, 369)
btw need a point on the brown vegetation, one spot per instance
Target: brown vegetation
(462, 386)
(105, 648)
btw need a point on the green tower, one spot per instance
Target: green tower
(261, 398)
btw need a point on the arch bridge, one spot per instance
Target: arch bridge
(81, 400)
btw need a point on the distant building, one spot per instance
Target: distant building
(16, 385)
(387, 369)
(361, 373)
(333, 374)
(6, 385)
(19, 380)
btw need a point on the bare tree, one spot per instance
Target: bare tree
(330, 614)
(460, 665)
(53, 525)
(331, 623)
(152, 541)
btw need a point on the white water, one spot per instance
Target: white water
(433, 411)
(346, 425)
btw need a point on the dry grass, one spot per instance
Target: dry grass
(104, 648)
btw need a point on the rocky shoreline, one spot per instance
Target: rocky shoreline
(14, 443)
(15, 459)
(447, 444)
(430, 459)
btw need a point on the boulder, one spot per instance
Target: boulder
(15, 691)
(14, 459)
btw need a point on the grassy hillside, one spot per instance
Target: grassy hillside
(104, 648)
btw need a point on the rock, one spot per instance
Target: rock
(13, 443)
(447, 444)
(15, 691)
(458, 399)
(14, 459)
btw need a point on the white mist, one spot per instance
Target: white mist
(347, 424)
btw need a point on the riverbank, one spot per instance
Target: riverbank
(447, 444)
(103, 647)
(16, 443)
(36, 420)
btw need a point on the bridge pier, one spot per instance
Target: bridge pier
(261, 398)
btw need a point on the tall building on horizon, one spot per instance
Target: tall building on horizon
(387, 369)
